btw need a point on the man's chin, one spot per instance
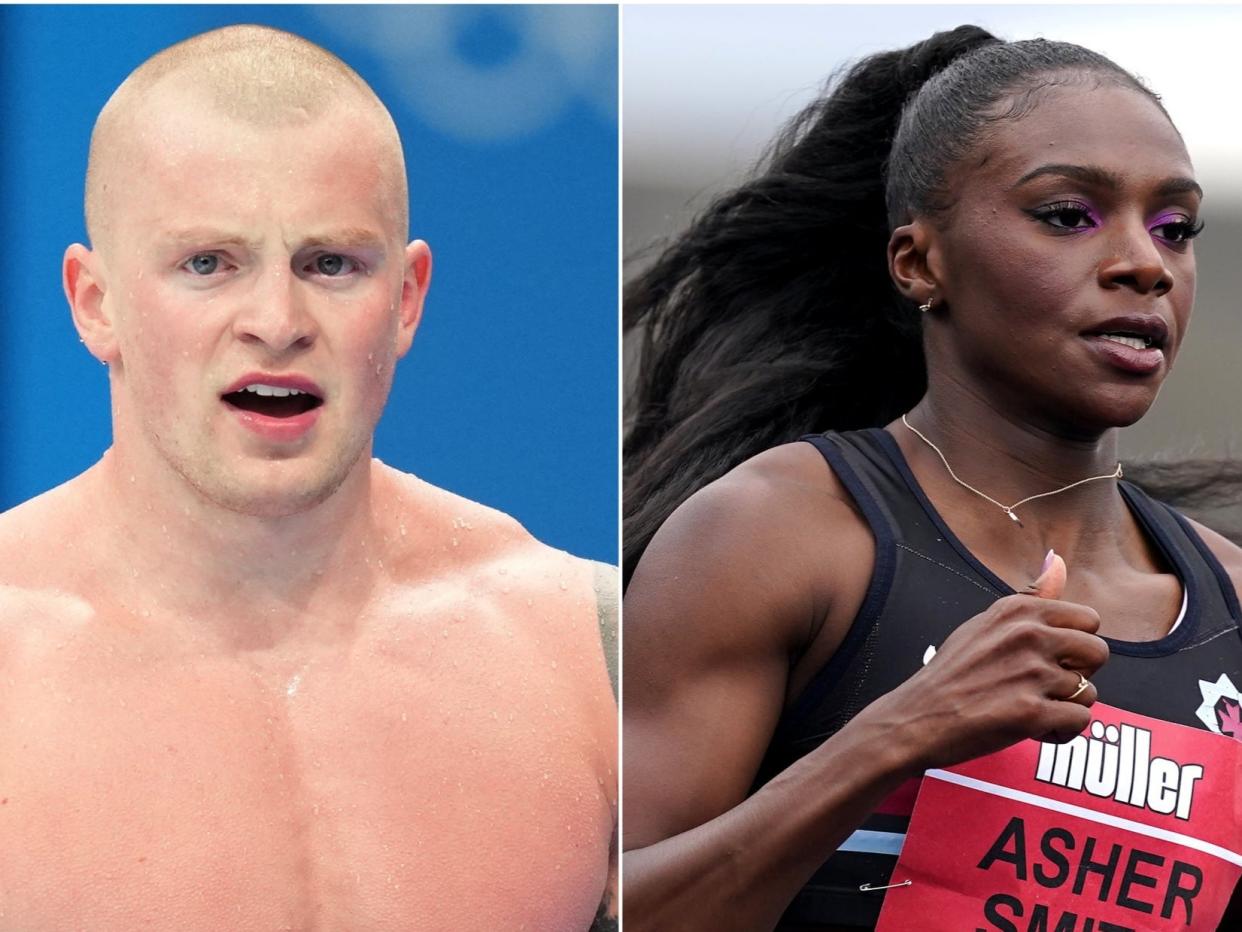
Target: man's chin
(278, 495)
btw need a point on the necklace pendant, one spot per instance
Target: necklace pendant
(1013, 517)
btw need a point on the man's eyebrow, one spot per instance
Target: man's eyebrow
(1103, 178)
(347, 237)
(199, 235)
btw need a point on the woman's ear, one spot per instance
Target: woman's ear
(914, 262)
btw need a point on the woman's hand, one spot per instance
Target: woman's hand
(1004, 675)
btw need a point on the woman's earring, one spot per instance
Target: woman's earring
(927, 305)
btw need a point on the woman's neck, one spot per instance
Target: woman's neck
(995, 455)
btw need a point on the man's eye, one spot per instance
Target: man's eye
(204, 263)
(332, 265)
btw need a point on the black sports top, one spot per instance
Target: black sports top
(925, 583)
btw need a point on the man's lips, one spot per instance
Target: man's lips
(293, 381)
(273, 396)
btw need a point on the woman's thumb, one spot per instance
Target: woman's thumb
(1051, 580)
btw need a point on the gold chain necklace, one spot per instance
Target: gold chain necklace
(1007, 509)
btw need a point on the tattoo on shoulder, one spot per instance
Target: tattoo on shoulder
(605, 919)
(606, 601)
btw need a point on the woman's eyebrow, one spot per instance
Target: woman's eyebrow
(1098, 177)
(1179, 186)
(1087, 174)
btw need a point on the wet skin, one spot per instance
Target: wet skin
(441, 757)
(255, 679)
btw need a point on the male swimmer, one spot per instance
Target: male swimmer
(251, 677)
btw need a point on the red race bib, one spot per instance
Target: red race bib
(1133, 825)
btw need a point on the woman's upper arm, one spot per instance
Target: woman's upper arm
(738, 581)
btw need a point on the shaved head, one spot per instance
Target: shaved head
(253, 75)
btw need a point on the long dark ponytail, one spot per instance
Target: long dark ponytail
(773, 314)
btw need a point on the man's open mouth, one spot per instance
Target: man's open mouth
(273, 400)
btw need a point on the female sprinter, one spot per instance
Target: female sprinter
(972, 263)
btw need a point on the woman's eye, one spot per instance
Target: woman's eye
(333, 265)
(1067, 216)
(205, 263)
(1181, 230)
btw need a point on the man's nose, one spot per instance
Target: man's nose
(275, 314)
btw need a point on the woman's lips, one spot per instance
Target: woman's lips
(1125, 357)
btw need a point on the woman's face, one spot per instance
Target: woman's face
(1066, 268)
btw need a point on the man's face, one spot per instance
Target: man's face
(260, 295)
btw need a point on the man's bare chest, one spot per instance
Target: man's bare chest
(418, 784)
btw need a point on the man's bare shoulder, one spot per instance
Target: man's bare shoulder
(474, 543)
(37, 531)
(41, 563)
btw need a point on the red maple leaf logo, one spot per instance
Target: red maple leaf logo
(1229, 713)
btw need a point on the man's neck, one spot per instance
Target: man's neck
(194, 557)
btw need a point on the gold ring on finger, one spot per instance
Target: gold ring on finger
(1083, 683)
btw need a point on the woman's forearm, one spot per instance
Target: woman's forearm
(741, 870)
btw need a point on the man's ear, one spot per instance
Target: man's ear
(85, 288)
(413, 292)
(915, 262)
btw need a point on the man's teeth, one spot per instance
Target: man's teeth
(1132, 342)
(272, 391)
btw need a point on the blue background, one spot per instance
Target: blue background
(508, 116)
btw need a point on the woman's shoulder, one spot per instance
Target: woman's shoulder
(778, 537)
(780, 495)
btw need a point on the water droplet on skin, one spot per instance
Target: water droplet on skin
(563, 585)
(455, 541)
